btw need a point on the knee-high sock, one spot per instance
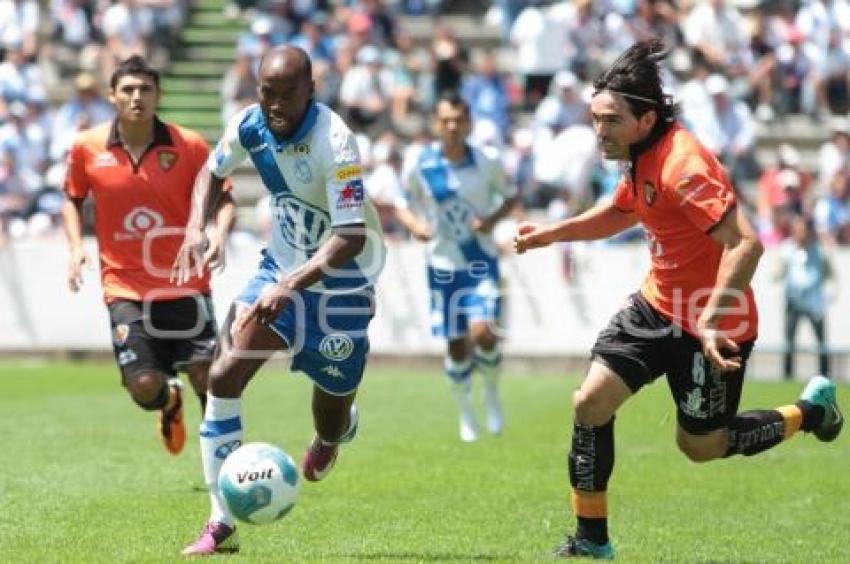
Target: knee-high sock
(459, 374)
(221, 434)
(489, 363)
(752, 432)
(591, 462)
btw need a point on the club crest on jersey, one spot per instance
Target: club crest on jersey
(351, 196)
(166, 160)
(303, 172)
(120, 334)
(649, 192)
(301, 149)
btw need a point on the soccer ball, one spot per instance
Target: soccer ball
(259, 483)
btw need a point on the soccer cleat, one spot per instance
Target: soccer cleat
(171, 425)
(318, 460)
(821, 391)
(468, 428)
(577, 547)
(215, 538)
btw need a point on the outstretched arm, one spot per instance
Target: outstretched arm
(598, 222)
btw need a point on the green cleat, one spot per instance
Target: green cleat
(577, 547)
(821, 391)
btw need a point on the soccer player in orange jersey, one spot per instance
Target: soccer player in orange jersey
(693, 319)
(140, 173)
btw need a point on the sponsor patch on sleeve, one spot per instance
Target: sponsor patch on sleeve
(351, 195)
(345, 173)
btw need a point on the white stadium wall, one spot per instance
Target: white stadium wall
(545, 316)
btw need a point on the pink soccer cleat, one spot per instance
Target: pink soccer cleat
(215, 538)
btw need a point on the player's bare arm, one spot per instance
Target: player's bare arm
(72, 219)
(485, 224)
(741, 253)
(418, 227)
(192, 254)
(225, 214)
(598, 222)
(340, 249)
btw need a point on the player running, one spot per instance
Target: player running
(140, 172)
(454, 196)
(312, 295)
(694, 318)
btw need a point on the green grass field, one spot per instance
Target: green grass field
(83, 478)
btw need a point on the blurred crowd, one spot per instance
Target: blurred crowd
(735, 67)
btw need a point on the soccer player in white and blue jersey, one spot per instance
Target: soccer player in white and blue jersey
(453, 197)
(313, 292)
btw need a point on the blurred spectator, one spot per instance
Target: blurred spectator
(238, 87)
(384, 187)
(449, 61)
(782, 191)
(564, 106)
(832, 75)
(19, 24)
(804, 267)
(362, 95)
(832, 212)
(85, 109)
(487, 95)
(738, 132)
(834, 154)
(127, 28)
(314, 41)
(541, 44)
(718, 31)
(18, 75)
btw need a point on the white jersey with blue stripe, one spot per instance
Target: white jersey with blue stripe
(451, 194)
(316, 183)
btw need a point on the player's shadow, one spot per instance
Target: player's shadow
(425, 556)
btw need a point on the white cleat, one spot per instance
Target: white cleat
(468, 428)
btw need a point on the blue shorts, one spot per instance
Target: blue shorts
(325, 333)
(460, 297)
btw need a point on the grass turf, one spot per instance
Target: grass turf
(84, 479)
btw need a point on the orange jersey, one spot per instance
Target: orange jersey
(679, 191)
(140, 210)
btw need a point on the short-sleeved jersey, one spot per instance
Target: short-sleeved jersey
(141, 210)
(450, 195)
(680, 191)
(316, 183)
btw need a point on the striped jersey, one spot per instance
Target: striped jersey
(316, 184)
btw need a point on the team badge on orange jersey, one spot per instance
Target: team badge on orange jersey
(649, 192)
(166, 160)
(120, 334)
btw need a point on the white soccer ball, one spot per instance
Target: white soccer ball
(259, 483)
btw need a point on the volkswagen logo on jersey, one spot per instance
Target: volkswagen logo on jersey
(336, 347)
(455, 216)
(302, 225)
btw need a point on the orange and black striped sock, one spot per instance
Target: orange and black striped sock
(752, 432)
(591, 511)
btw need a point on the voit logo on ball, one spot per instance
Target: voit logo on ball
(139, 221)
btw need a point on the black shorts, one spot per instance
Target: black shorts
(640, 344)
(162, 336)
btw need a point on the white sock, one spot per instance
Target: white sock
(221, 434)
(459, 374)
(489, 363)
